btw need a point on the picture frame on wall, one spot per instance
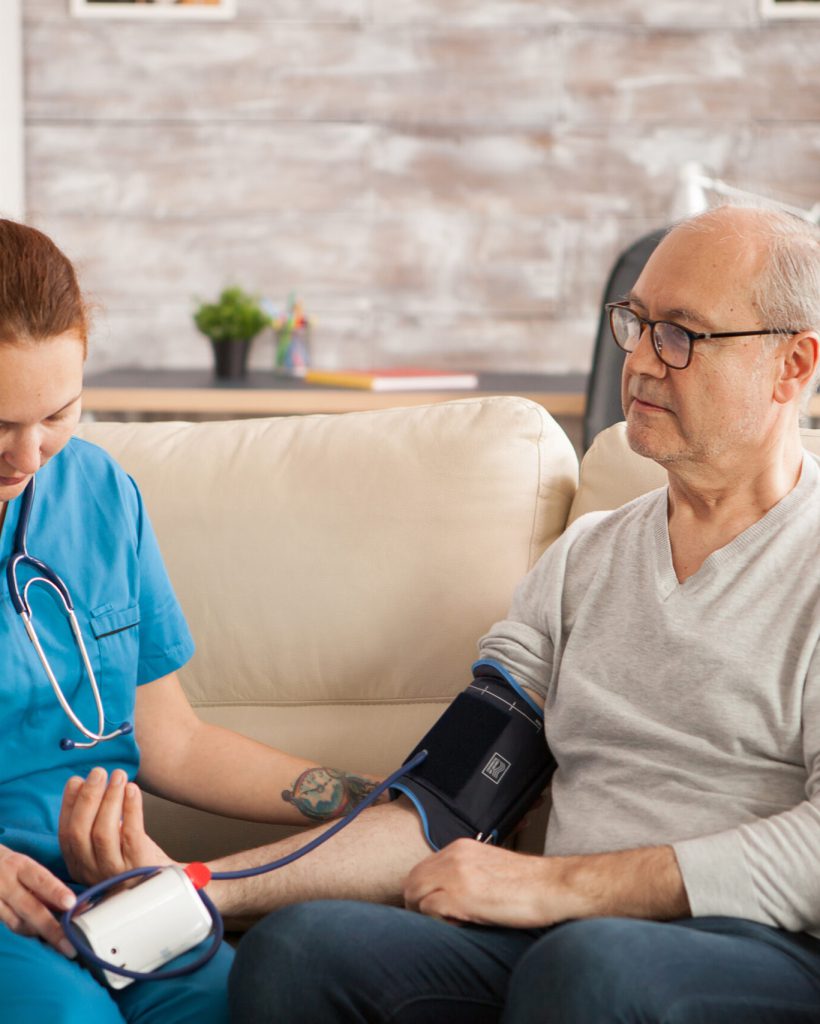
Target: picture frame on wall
(205, 9)
(798, 9)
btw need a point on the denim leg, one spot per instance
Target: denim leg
(698, 971)
(361, 963)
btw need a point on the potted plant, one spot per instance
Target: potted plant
(231, 323)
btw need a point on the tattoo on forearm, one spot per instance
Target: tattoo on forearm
(324, 793)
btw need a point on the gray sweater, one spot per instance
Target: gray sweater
(685, 713)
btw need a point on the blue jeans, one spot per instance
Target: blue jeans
(337, 961)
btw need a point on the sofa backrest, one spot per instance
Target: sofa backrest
(337, 571)
(612, 474)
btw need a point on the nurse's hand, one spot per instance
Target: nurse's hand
(101, 828)
(29, 894)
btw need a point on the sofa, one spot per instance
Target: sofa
(337, 571)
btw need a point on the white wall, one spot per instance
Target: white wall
(12, 202)
(442, 182)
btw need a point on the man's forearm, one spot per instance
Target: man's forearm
(644, 883)
(471, 882)
(367, 860)
(371, 858)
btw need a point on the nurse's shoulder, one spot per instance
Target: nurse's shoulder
(87, 474)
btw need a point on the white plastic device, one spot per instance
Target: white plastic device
(144, 927)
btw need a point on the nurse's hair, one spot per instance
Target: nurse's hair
(39, 294)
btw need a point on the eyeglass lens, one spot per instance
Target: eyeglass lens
(671, 343)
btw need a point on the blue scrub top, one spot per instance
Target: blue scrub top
(89, 525)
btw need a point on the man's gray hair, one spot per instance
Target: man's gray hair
(787, 289)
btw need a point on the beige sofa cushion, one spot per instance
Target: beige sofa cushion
(337, 571)
(612, 474)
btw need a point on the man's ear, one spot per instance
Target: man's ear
(800, 358)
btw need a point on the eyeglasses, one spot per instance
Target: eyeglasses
(672, 343)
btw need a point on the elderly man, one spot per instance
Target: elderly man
(673, 644)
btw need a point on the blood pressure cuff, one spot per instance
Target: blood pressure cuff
(487, 761)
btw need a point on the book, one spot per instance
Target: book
(402, 379)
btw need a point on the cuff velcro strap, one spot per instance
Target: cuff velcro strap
(487, 761)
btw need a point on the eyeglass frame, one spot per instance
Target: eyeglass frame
(692, 336)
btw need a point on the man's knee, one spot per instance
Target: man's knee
(594, 970)
(294, 934)
(297, 960)
(263, 969)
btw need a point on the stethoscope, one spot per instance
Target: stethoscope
(19, 599)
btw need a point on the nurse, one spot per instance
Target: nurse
(88, 523)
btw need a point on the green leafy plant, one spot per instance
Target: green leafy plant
(235, 316)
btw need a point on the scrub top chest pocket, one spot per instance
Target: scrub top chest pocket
(116, 634)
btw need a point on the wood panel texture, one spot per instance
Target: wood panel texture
(441, 181)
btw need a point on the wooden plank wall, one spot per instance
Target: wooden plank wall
(442, 181)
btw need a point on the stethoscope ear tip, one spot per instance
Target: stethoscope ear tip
(125, 728)
(67, 744)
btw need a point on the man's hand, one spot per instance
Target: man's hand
(101, 828)
(472, 882)
(29, 894)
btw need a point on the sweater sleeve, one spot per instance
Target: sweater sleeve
(767, 870)
(522, 642)
(525, 642)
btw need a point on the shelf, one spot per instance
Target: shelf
(264, 393)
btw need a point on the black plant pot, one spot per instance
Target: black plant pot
(230, 358)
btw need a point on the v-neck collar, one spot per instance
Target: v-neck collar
(668, 583)
(9, 528)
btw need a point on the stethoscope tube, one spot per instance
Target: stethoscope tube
(20, 601)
